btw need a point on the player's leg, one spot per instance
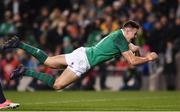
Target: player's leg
(14, 42)
(6, 103)
(2, 97)
(22, 71)
(62, 81)
(53, 62)
(65, 79)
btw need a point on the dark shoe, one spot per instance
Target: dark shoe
(13, 42)
(18, 72)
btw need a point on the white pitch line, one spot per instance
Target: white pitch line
(95, 100)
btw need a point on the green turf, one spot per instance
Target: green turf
(79, 100)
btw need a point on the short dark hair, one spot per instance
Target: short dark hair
(131, 24)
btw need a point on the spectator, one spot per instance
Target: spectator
(169, 66)
(8, 65)
(7, 27)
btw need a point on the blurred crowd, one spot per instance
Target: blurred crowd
(60, 26)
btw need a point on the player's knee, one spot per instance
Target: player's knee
(58, 86)
(46, 62)
(50, 62)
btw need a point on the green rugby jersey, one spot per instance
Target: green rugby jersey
(109, 47)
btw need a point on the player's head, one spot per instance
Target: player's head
(131, 28)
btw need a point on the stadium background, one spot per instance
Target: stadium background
(60, 26)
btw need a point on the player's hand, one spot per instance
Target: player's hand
(152, 56)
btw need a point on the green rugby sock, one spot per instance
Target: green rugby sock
(46, 78)
(37, 53)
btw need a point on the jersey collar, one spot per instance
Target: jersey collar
(124, 35)
(123, 32)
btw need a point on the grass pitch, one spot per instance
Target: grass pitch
(95, 101)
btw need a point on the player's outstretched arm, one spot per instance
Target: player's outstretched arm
(136, 60)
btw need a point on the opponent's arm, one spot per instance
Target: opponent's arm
(136, 60)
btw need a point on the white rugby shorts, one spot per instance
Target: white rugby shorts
(77, 61)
